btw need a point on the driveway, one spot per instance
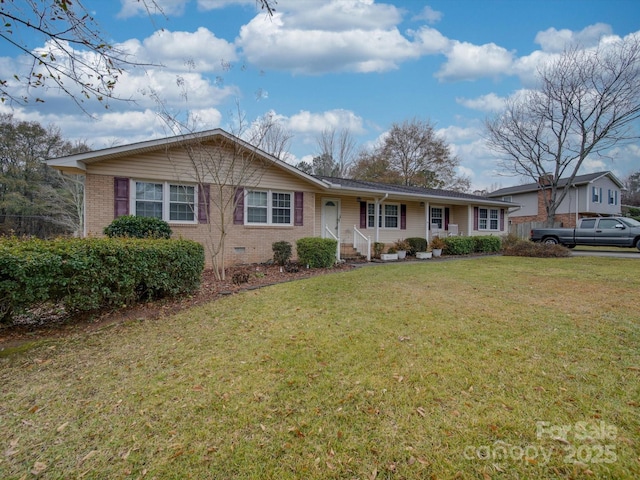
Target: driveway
(614, 252)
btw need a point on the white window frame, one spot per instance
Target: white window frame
(491, 217)
(437, 219)
(270, 207)
(382, 215)
(166, 199)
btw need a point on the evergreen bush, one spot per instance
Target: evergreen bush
(317, 252)
(138, 227)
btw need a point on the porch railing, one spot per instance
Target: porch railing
(333, 235)
(361, 242)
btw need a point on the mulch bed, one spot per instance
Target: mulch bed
(51, 322)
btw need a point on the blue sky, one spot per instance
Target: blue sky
(318, 64)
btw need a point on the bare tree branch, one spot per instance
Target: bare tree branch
(586, 104)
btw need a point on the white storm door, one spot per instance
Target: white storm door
(330, 218)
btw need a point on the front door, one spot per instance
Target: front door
(331, 218)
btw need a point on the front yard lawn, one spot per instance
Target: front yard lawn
(494, 367)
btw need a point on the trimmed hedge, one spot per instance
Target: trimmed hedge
(459, 245)
(468, 245)
(418, 244)
(138, 227)
(317, 252)
(88, 274)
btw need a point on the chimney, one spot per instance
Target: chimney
(545, 180)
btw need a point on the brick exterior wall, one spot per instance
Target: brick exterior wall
(568, 220)
(243, 244)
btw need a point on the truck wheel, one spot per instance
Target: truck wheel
(550, 241)
(638, 244)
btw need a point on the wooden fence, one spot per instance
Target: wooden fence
(523, 230)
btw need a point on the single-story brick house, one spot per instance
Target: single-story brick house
(592, 194)
(183, 180)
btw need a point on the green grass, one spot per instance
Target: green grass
(398, 371)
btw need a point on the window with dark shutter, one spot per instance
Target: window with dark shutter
(403, 217)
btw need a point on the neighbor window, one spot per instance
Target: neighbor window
(268, 208)
(488, 219)
(596, 195)
(388, 215)
(169, 202)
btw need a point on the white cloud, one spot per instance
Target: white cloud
(313, 123)
(555, 41)
(132, 8)
(466, 61)
(429, 15)
(199, 51)
(270, 46)
(485, 103)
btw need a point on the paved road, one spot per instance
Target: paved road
(614, 252)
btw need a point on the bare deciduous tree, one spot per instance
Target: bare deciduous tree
(412, 154)
(274, 138)
(586, 103)
(223, 168)
(340, 147)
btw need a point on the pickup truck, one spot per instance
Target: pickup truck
(601, 231)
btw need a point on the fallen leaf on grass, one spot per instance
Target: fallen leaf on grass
(38, 468)
(421, 412)
(88, 455)
(61, 428)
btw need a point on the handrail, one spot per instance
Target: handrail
(328, 230)
(358, 239)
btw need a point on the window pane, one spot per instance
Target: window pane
(149, 191)
(181, 193)
(149, 209)
(181, 211)
(182, 203)
(493, 214)
(148, 199)
(436, 216)
(257, 199)
(391, 216)
(371, 212)
(257, 215)
(281, 208)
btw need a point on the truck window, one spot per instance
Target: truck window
(608, 223)
(588, 223)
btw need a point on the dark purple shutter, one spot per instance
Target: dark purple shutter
(502, 219)
(204, 198)
(403, 216)
(476, 217)
(446, 219)
(238, 213)
(298, 209)
(363, 214)
(120, 196)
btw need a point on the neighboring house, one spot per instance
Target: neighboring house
(161, 178)
(593, 194)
